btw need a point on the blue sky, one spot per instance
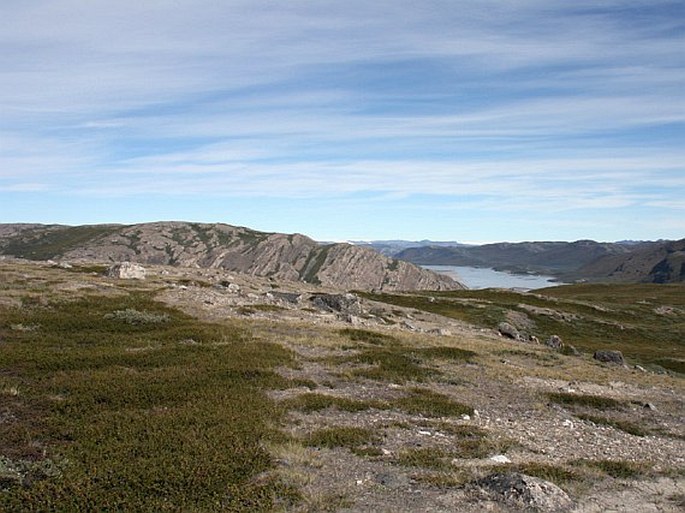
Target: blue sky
(451, 120)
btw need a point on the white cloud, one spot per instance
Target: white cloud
(569, 105)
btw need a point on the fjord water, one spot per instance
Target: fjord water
(483, 278)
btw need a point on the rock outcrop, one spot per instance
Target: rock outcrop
(521, 492)
(127, 271)
(291, 257)
(606, 356)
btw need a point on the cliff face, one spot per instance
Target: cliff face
(284, 257)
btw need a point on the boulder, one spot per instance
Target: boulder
(520, 492)
(507, 330)
(608, 356)
(342, 303)
(554, 342)
(127, 271)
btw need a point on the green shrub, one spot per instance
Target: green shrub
(425, 457)
(311, 402)
(135, 317)
(583, 400)
(422, 401)
(371, 337)
(341, 436)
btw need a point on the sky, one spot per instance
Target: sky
(475, 121)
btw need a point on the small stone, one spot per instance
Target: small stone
(409, 326)
(465, 417)
(554, 342)
(649, 406)
(500, 458)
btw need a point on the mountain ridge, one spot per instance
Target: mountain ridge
(292, 257)
(582, 260)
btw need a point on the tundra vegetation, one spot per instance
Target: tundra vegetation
(113, 398)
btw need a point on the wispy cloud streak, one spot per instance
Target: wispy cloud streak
(496, 104)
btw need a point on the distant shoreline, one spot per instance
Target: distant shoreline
(484, 277)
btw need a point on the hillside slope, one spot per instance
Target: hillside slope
(285, 257)
(658, 262)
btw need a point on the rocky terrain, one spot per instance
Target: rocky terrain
(386, 402)
(279, 256)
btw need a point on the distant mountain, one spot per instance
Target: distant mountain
(536, 257)
(393, 247)
(281, 256)
(655, 262)
(627, 261)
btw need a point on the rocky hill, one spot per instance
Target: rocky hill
(657, 262)
(291, 257)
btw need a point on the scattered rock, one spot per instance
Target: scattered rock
(127, 271)
(343, 303)
(554, 342)
(392, 480)
(353, 320)
(288, 297)
(608, 356)
(409, 326)
(507, 330)
(500, 458)
(523, 492)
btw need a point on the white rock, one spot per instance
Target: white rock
(500, 458)
(127, 271)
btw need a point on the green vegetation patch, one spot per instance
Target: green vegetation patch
(622, 425)
(314, 263)
(433, 458)
(45, 243)
(643, 321)
(397, 365)
(311, 402)
(370, 337)
(619, 469)
(585, 400)
(133, 316)
(453, 354)
(422, 401)
(122, 416)
(342, 436)
(557, 473)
